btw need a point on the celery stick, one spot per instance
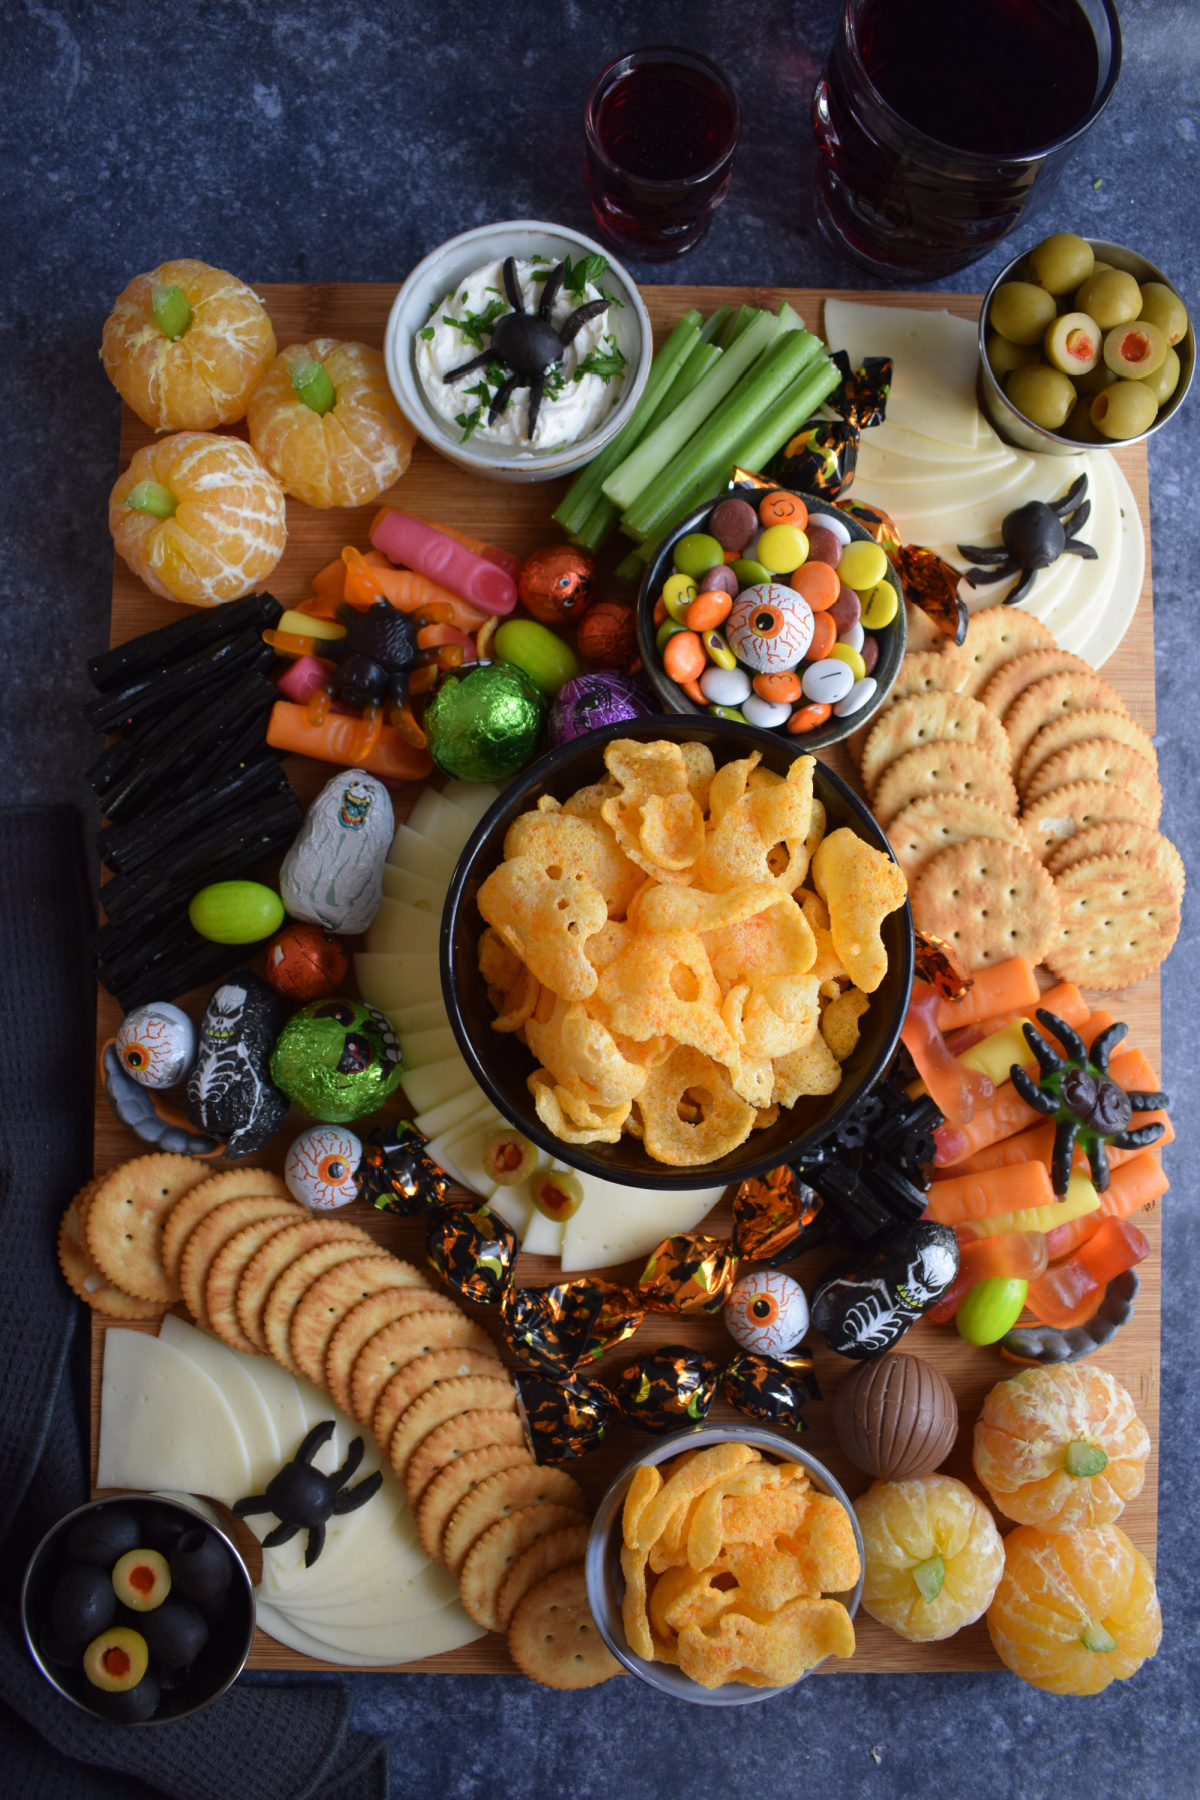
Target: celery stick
(712, 446)
(790, 318)
(668, 439)
(714, 324)
(736, 324)
(584, 491)
(630, 569)
(771, 431)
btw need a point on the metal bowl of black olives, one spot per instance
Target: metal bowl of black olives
(1083, 345)
(138, 1609)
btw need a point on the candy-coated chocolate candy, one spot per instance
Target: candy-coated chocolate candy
(708, 610)
(541, 653)
(683, 656)
(473, 1252)
(333, 873)
(729, 712)
(749, 573)
(336, 1060)
(767, 1311)
(733, 523)
(808, 718)
(229, 1090)
(863, 565)
(869, 652)
(236, 912)
(846, 653)
(725, 687)
(718, 650)
(305, 963)
(854, 636)
(666, 632)
(824, 637)
(697, 551)
(772, 1390)
(607, 635)
(864, 1305)
(827, 682)
(676, 605)
(770, 627)
(830, 522)
(766, 714)
(667, 1388)
(881, 606)
(156, 1044)
(601, 697)
(782, 508)
(718, 580)
(396, 1173)
(990, 1309)
(819, 585)
(846, 609)
(782, 548)
(562, 1419)
(857, 698)
(679, 587)
(778, 688)
(484, 723)
(321, 1166)
(823, 547)
(556, 583)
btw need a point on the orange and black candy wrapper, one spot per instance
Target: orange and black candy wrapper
(931, 583)
(772, 1390)
(565, 1419)
(687, 1274)
(667, 1388)
(769, 1213)
(557, 1329)
(939, 965)
(397, 1175)
(473, 1252)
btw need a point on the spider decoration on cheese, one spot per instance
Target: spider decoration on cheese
(1078, 1093)
(303, 1499)
(527, 344)
(1035, 535)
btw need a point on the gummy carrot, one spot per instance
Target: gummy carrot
(1006, 987)
(1064, 1240)
(958, 1090)
(1065, 1001)
(339, 738)
(1135, 1183)
(1131, 1070)
(979, 1196)
(1037, 1145)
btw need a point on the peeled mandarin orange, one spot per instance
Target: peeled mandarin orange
(324, 421)
(198, 518)
(186, 345)
(1074, 1612)
(933, 1556)
(1061, 1447)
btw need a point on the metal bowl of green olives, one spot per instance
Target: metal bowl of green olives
(1032, 391)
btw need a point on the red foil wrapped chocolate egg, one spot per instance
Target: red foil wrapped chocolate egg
(556, 583)
(607, 635)
(305, 963)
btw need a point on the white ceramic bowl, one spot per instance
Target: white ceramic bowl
(437, 276)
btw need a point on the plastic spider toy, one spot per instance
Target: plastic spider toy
(304, 1500)
(1081, 1096)
(1035, 535)
(527, 344)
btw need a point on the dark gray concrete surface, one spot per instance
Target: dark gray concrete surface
(340, 142)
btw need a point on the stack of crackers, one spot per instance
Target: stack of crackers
(326, 1300)
(1022, 802)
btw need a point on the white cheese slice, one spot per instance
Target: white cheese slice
(230, 1371)
(616, 1224)
(382, 1534)
(414, 890)
(473, 797)
(423, 1047)
(429, 1085)
(542, 1236)
(450, 1113)
(412, 851)
(404, 930)
(976, 513)
(515, 1208)
(387, 980)
(1108, 620)
(935, 356)
(437, 1632)
(380, 1591)
(877, 464)
(164, 1423)
(460, 1151)
(895, 441)
(441, 822)
(423, 1015)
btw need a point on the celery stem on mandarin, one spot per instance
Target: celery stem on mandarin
(929, 1577)
(152, 497)
(311, 383)
(172, 314)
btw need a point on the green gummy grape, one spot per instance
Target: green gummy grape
(1095, 1637)
(172, 314)
(311, 383)
(929, 1577)
(151, 497)
(1085, 1459)
(991, 1308)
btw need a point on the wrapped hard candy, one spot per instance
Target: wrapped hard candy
(156, 1045)
(333, 873)
(602, 697)
(230, 1092)
(321, 1167)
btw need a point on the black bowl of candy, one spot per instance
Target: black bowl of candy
(775, 608)
(138, 1609)
(504, 1063)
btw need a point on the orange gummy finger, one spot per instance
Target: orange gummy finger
(337, 738)
(1006, 987)
(979, 1196)
(1006, 1115)
(1133, 1184)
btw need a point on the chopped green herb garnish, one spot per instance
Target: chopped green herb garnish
(468, 421)
(577, 275)
(554, 384)
(473, 325)
(426, 332)
(605, 363)
(496, 374)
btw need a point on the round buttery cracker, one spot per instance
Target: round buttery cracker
(443, 1496)
(931, 672)
(486, 1396)
(214, 1231)
(357, 1327)
(125, 1219)
(1012, 678)
(497, 1497)
(989, 901)
(1076, 728)
(225, 1274)
(964, 769)
(1119, 921)
(940, 718)
(403, 1340)
(554, 1639)
(84, 1278)
(1137, 843)
(923, 634)
(198, 1202)
(557, 1551)
(418, 1376)
(1048, 699)
(325, 1304)
(995, 635)
(273, 1293)
(458, 1437)
(1059, 815)
(1101, 759)
(491, 1558)
(931, 825)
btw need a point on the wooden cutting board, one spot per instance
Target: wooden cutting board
(518, 518)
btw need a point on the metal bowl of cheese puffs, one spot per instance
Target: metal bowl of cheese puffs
(725, 1565)
(676, 953)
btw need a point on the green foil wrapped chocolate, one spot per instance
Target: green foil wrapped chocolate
(484, 722)
(336, 1060)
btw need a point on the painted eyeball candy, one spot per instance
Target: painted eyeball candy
(321, 1165)
(156, 1044)
(769, 627)
(767, 1312)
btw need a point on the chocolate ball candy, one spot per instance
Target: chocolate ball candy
(556, 583)
(484, 722)
(733, 523)
(896, 1417)
(603, 697)
(607, 635)
(336, 1060)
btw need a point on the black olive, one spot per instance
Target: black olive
(527, 344)
(201, 1566)
(84, 1604)
(300, 1494)
(56, 1649)
(216, 1609)
(159, 1529)
(169, 1679)
(131, 1707)
(175, 1633)
(1033, 535)
(101, 1536)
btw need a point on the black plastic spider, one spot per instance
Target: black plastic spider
(304, 1500)
(1035, 535)
(1078, 1092)
(527, 343)
(374, 657)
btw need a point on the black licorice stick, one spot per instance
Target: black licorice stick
(177, 974)
(152, 734)
(243, 739)
(187, 867)
(124, 707)
(188, 745)
(170, 643)
(125, 847)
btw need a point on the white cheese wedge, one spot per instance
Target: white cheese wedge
(423, 1047)
(412, 851)
(424, 1015)
(461, 1151)
(1107, 624)
(616, 1224)
(515, 1208)
(230, 1371)
(473, 797)
(892, 440)
(448, 1629)
(542, 1236)
(936, 357)
(442, 1118)
(441, 822)
(388, 980)
(164, 1423)
(379, 1591)
(414, 890)
(429, 1085)
(404, 930)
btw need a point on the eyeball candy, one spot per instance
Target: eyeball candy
(770, 627)
(827, 682)
(156, 1044)
(767, 1312)
(321, 1165)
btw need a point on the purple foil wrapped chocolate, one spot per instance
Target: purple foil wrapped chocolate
(601, 697)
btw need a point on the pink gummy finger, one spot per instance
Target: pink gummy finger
(415, 545)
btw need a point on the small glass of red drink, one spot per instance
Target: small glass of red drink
(661, 128)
